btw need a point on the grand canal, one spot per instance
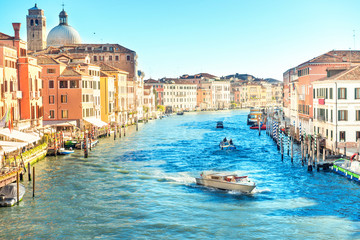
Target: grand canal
(142, 187)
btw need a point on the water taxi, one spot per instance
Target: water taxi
(348, 168)
(224, 181)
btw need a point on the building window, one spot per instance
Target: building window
(357, 93)
(95, 58)
(50, 70)
(116, 58)
(63, 98)
(342, 136)
(110, 58)
(331, 93)
(342, 115)
(74, 84)
(357, 135)
(342, 93)
(51, 99)
(331, 116)
(51, 83)
(357, 115)
(327, 133)
(64, 113)
(52, 114)
(128, 58)
(63, 84)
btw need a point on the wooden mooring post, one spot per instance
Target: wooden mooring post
(29, 171)
(17, 187)
(282, 147)
(292, 149)
(115, 132)
(33, 181)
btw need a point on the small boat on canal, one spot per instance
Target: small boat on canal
(227, 145)
(219, 124)
(8, 194)
(231, 182)
(348, 168)
(63, 151)
(180, 113)
(262, 127)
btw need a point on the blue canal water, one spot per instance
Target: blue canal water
(142, 187)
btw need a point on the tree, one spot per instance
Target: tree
(161, 108)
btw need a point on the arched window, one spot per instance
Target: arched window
(32, 22)
(128, 57)
(44, 23)
(36, 22)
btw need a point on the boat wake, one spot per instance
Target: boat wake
(180, 178)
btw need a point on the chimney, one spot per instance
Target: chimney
(16, 27)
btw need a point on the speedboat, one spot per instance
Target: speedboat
(63, 151)
(227, 146)
(262, 127)
(8, 194)
(219, 124)
(347, 168)
(225, 181)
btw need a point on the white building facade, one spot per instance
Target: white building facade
(337, 108)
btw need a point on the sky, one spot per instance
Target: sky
(174, 37)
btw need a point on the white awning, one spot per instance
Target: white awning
(24, 137)
(96, 122)
(11, 146)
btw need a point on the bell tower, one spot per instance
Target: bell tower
(36, 29)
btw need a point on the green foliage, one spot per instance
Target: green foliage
(161, 108)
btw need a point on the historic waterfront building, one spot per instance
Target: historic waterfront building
(336, 112)
(21, 86)
(107, 97)
(122, 109)
(331, 62)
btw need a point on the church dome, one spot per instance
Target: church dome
(63, 34)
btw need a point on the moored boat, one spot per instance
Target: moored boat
(262, 127)
(224, 181)
(8, 194)
(219, 124)
(70, 144)
(347, 168)
(63, 151)
(180, 113)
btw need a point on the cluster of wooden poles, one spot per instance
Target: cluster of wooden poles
(309, 145)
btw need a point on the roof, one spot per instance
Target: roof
(335, 56)
(352, 73)
(4, 36)
(43, 60)
(69, 71)
(107, 67)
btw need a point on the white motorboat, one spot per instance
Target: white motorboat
(224, 181)
(8, 194)
(63, 151)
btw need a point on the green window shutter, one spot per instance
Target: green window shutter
(338, 94)
(339, 115)
(345, 93)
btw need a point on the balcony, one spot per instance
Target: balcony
(320, 118)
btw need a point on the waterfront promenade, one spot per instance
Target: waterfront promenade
(142, 187)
